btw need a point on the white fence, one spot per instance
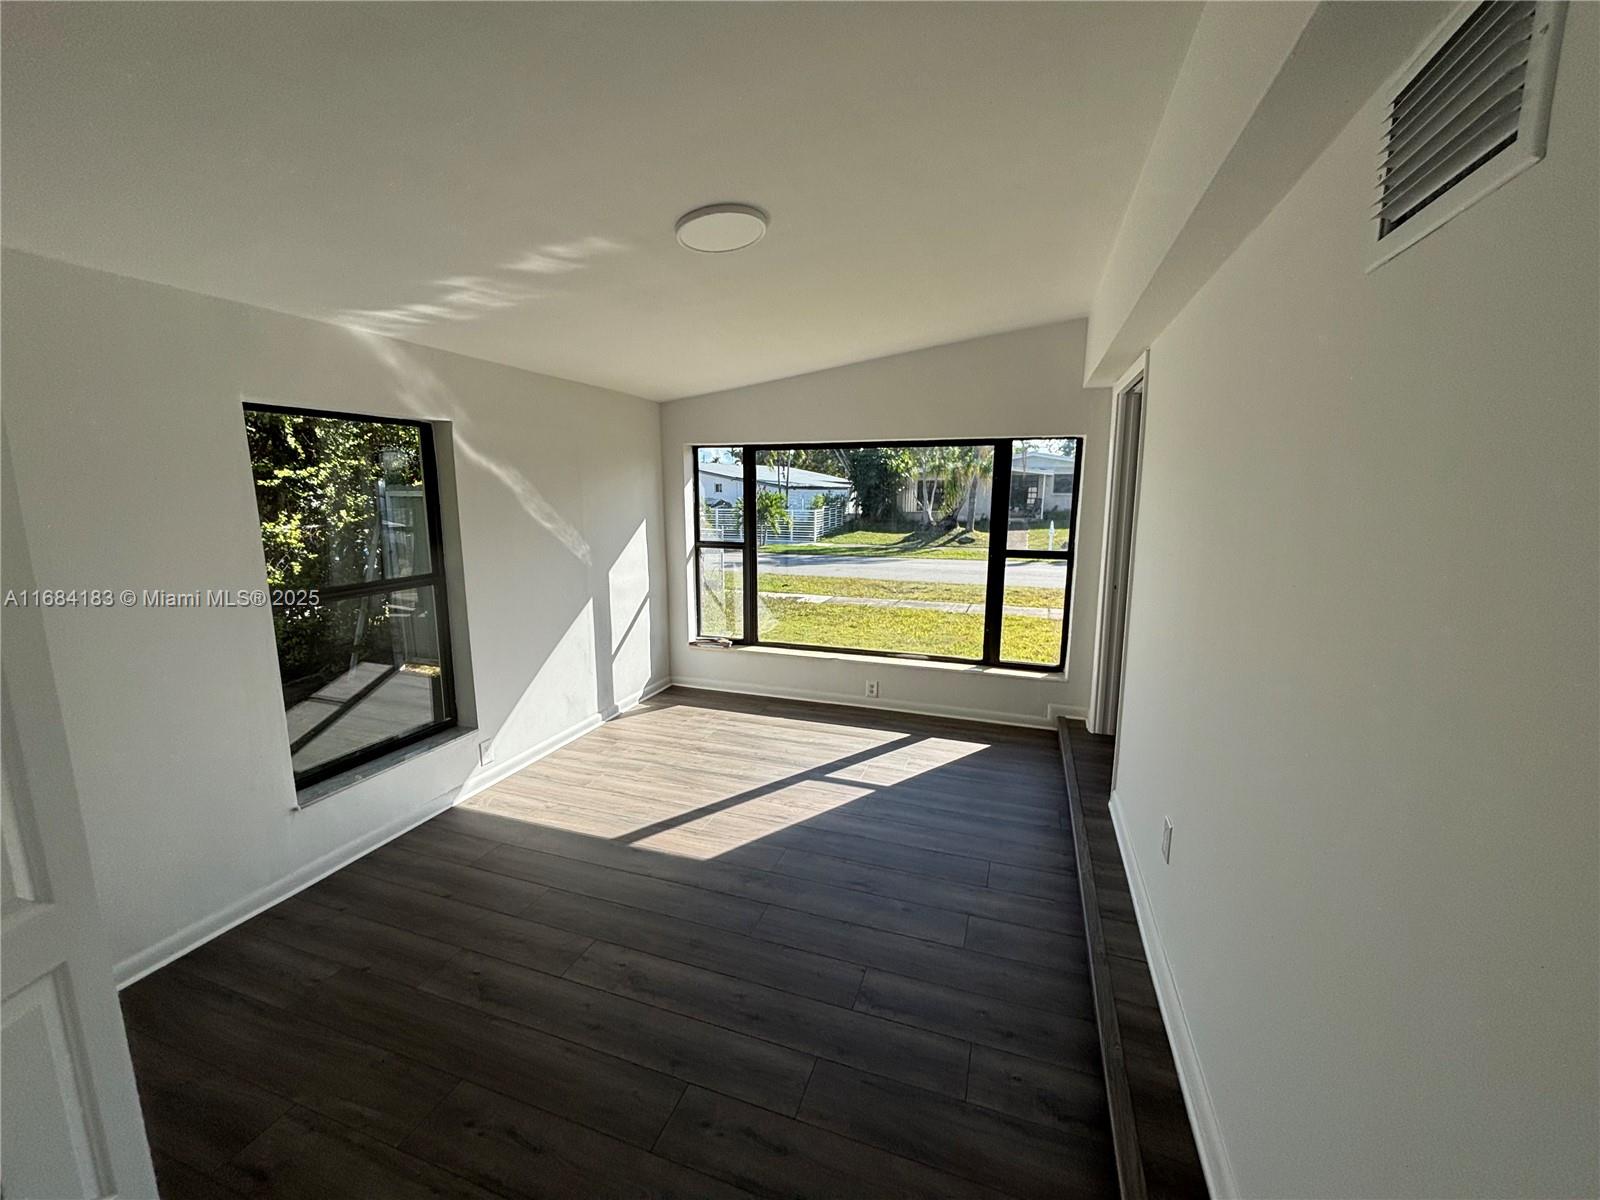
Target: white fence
(800, 525)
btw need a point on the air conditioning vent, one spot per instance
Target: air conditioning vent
(1470, 111)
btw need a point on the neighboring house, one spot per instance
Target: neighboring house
(1041, 486)
(723, 484)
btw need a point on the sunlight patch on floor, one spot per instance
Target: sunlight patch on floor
(685, 830)
(751, 820)
(730, 780)
(896, 765)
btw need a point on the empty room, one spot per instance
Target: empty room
(837, 600)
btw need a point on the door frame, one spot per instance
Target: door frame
(1129, 405)
(71, 1118)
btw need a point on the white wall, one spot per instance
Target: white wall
(122, 403)
(1236, 52)
(1362, 680)
(1027, 383)
(1264, 88)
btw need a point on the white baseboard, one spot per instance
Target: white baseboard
(1072, 712)
(851, 700)
(1196, 1096)
(136, 966)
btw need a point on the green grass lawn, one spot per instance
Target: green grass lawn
(1023, 639)
(940, 543)
(907, 630)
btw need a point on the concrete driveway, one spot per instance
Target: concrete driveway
(910, 568)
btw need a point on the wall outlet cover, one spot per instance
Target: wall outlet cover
(485, 753)
(1166, 839)
(872, 689)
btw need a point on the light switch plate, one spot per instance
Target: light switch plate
(1166, 839)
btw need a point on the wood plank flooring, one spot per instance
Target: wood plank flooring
(719, 947)
(1167, 1149)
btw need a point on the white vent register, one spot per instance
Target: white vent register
(1467, 113)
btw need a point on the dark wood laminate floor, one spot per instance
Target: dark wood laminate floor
(1166, 1139)
(720, 946)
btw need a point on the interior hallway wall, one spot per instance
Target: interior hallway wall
(1362, 680)
(123, 406)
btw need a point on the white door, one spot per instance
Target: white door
(70, 1124)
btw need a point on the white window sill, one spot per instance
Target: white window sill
(345, 780)
(886, 660)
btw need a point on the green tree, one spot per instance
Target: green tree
(773, 512)
(947, 479)
(318, 487)
(783, 464)
(829, 460)
(321, 484)
(876, 475)
(968, 473)
(935, 472)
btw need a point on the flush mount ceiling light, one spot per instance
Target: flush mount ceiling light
(718, 228)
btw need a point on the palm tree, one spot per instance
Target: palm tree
(980, 471)
(926, 477)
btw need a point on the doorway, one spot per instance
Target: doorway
(1116, 565)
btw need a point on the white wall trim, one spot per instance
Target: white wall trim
(1072, 712)
(134, 968)
(1196, 1095)
(851, 700)
(1117, 545)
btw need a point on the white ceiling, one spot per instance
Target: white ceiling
(502, 180)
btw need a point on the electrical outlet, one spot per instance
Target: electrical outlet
(1166, 839)
(872, 689)
(485, 753)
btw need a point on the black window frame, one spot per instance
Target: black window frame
(999, 552)
(701, 542)
(434, 577)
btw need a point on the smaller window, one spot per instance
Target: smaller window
(721, 592)
(350, 527)
(1062, 486)
(719, 559)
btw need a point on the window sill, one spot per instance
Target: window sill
(345, 780)
(887, 660)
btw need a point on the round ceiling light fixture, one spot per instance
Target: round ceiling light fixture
(719, 228)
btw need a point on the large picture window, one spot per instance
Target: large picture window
(959, 551)
(350, 526)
